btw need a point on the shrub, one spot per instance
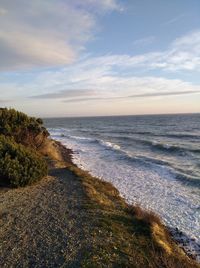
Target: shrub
(24, 129)
(19, 166)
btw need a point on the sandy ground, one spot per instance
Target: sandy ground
(43, 225)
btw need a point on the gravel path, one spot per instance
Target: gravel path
(43, 225)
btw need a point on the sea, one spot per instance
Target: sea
(153, 160)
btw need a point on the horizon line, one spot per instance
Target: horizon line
(94, 116)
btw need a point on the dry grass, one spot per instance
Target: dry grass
(148, 216)
(124, 235)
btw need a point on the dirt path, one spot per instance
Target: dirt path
(43, 225)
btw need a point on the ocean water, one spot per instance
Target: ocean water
(154, 161)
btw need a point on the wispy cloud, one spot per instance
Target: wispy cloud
(175, 19)
(91, 81)
(86, 99)
(46, 33)
(166, 93)
(65, 94)
(183, 54)
(144, 95)
(144, 41)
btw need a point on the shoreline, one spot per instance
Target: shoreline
(188, 245)
(74, 219)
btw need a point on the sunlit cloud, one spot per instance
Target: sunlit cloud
(101, 78)
(183, 54)
(46, 33)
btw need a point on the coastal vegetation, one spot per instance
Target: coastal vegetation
(19, 165)
(20, 139)
(26, 130)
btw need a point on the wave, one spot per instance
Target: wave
(155, 145)
(132, 132)
(180, 135)
(124, 155)
(174, 148)
(150, 160)
(188, 180)
(109, 145)
(87, 139)
(166, 147)
(151, 133)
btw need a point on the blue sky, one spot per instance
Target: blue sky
(100, 57)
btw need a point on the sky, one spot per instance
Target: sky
(100, 57)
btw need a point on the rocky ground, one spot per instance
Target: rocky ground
(43, 225)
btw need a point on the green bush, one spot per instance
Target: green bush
(19, 166)
(26, 130)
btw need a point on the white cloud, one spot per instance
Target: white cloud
(45, 33)
(182, 55)
(93, 81)
(94, 78)
(113, 76)
(26, 51)
(52, 33)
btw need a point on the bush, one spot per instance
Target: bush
(26, 130)
(19, 166)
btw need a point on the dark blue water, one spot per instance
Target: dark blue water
(152, 160)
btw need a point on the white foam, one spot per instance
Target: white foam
(110, 145)
(151, 186)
